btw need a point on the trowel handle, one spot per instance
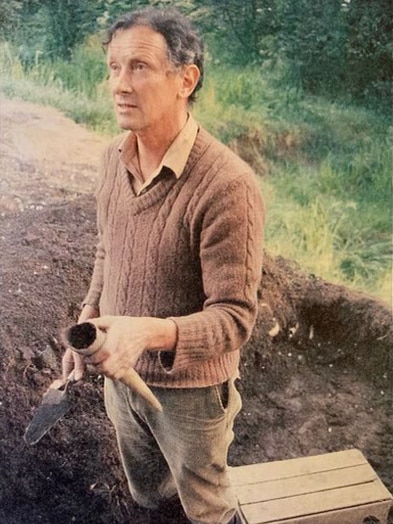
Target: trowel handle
(86, 339)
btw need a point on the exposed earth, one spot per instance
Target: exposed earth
(316, 376)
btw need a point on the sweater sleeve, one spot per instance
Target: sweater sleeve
(231, 245)
(97, 280)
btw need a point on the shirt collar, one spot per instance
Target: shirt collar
(175, 157)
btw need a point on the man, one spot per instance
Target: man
(176, 273)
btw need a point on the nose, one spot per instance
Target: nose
(122, 83)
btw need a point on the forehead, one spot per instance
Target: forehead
(138, 41)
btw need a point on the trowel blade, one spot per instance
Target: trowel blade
(55, 404)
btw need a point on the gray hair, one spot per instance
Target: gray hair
(183, 41)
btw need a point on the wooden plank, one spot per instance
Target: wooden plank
(254, 473)
(356, 515)
(314, 503)
(312, 483)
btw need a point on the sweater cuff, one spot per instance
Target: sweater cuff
(167, 358)
(191, 344)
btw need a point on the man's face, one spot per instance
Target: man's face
(143, 83)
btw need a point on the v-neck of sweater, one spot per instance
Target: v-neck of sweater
(139, 203)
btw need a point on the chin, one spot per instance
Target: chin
(128, 124)
(125, 123)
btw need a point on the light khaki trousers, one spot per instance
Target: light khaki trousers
(182, 450)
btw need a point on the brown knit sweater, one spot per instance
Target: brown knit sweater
(189, 249)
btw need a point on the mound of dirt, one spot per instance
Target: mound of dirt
(316, 375)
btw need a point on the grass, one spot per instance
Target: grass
(327, 167)
(76, 88)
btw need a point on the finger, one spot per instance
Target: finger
(96, 358)
(79, 367)
(106, 366)
(67, 364)
(98, 368)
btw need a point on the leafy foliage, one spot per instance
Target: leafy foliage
(335, 47)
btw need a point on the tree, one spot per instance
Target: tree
(311, 39)
(369, 47)
(329, 47)
(69, 22)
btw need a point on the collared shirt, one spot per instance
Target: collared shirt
(174, 159)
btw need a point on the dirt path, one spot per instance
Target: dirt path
(323, 383)
(45, 157)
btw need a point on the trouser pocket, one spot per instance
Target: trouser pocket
(228, 397)
(223, 394)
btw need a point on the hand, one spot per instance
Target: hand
(73, 364)
(127, 338)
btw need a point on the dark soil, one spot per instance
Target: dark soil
(316, 376)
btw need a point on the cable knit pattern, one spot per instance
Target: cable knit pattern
(188, 249)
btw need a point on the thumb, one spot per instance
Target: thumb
(104, 322)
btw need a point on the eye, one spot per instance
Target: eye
(139, 67)
(113, 66)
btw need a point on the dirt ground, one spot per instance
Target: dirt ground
(322, 383)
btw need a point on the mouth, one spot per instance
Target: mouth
(123, 107)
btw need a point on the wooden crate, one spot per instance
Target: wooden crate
(334, 488)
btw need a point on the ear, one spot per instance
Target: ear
(190, 77)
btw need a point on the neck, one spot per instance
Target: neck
(153, 144)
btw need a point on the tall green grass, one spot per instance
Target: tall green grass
(326, 167)
(328, 174)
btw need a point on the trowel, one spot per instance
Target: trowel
(85, 339)
(55, 404)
